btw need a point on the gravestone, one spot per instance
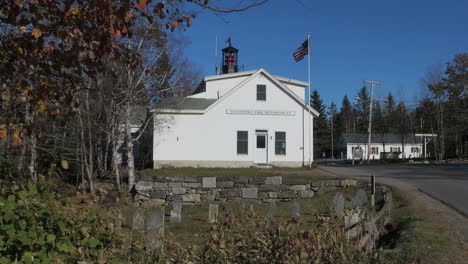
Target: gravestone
(296, 209)
(176, 212)
(155, 228)
(213, 213)
(338, 203)
(358, 200)
(138, 220)
(271, 210)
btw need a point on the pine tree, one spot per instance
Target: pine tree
(333, 120)
(379, 125)
(322, 132)
(362, 107)
(389, 114)
(345, 117)
(402, 123)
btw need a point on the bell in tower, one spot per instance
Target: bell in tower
(229, 63)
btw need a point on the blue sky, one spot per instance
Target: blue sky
(351, 41)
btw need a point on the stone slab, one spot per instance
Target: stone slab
(258, 180)
(338, 203)
(144, 186)
(242, 179)
(176, 212)
(191, 197)
(138, 220)
(209, 182)
(158, 195)
(178, 190)
(307, 193)
(213, 213)
(249, 193)
(191, 185)
(155, 228)
(287, 194)
(225, 184)
(298, 187)
(274, 180)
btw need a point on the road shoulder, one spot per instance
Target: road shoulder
(438, 215)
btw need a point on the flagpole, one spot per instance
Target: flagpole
(310, 123)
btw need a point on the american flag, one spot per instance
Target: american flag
(303, 50)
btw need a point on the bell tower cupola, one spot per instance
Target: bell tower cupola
(230, 59)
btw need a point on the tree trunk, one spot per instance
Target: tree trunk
(32, 163)
(130, 158)
(115, 154)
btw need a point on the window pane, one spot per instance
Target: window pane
(280, 143)
(261, 142)
(242, 142)
(261, 92)
(242, 135)
(280, 135)
(242, 147)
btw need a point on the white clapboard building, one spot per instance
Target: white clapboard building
(391, 146)
(236, 119)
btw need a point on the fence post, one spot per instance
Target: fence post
(373, 191)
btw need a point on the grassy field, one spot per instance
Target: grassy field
(418, 236)
(297, 173)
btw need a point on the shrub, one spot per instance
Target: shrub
(38, 225)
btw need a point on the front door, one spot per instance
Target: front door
(261, 148)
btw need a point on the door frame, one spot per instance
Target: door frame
(264, 133)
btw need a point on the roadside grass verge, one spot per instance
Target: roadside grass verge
(297, 173)
(417, 235)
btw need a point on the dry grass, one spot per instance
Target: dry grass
(194, 217)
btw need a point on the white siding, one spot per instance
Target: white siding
(405, 154)
(213, 136)
(222, 86)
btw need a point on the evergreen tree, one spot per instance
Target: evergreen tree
(362, 107)
(321, 128)
(390, 116)
(402, 123)
(333, 120)
(345, 117)
(378, 123)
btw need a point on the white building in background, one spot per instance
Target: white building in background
(236, 119)
(396, 146)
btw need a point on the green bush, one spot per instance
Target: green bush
(37, 225)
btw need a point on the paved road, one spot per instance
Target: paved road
(447, 183)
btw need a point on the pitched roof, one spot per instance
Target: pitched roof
(274, 80)
(201, 105)
(247, 73)
(185, 103)
(381, 138)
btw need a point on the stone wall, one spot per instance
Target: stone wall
(368, 226)
(220, 189)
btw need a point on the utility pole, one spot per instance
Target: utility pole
(332, 119)
(372, 83)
